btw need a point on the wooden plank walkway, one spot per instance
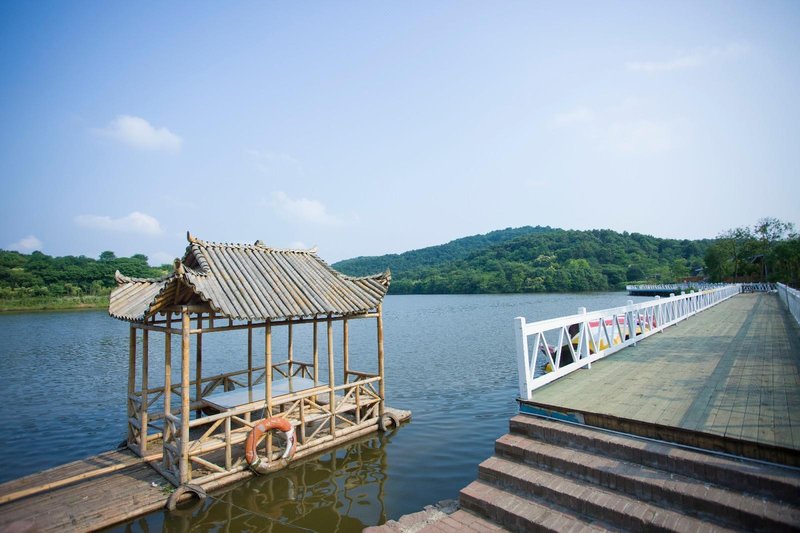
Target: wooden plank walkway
(90, 503)
(729, 374)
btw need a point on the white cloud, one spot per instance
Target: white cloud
(137, 132)
(26, 244)
(302, 210)
(135, 222)
(697, 58)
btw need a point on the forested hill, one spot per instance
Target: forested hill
(434, 255)
(539, 259)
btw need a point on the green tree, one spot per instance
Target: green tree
(769, 231)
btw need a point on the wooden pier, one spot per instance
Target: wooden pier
(726, 379)
(106, 489)
(695, 428)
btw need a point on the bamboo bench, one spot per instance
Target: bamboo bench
(225, 401)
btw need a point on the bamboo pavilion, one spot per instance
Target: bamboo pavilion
(197, 424)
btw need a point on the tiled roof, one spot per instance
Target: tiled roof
(250, 282)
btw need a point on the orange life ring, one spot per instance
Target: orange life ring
(255, 435)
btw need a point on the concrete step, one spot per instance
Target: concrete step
(518, 513)
(773, 482)
(617, 509)
(687, 495)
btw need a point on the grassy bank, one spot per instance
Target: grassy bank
(44, 303)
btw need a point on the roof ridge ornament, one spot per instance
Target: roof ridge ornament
(191, 238)
(179, 268)
(120, 279)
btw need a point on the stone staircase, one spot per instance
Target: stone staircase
(548, 475)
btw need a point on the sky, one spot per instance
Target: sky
(365, 128)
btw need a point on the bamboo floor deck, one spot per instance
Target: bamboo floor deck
(104, 490)
(726, 379)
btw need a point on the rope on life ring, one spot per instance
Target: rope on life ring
(257, 433)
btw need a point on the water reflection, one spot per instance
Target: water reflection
(341, 490)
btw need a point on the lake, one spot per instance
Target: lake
(450, 359)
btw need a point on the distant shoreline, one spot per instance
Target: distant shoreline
(46, 303)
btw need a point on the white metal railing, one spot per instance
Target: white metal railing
(791, 298)
(675, 287)
(550, 349)
(758, 287)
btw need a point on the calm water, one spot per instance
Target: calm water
(449, 359)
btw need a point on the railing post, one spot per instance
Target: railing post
(674, 306)
(659, 315)
(523, 363)
(630, 319)
(585, 346)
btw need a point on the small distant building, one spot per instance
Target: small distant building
(197, 422)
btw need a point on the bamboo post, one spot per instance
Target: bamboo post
(167, 390)
(186, 326)
(249, 363)
(382, 387)
(290, 351)
(228, 456)
(131, 384)
(145, 395)
(331, 378)
(345, 348)
(198, 387)
(268, 368)
(268, 380)
(316, 352)
(249, 354)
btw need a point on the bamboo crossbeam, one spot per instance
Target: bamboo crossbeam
(207, 464)
(207, 480)
(156, 325)
(362, 374)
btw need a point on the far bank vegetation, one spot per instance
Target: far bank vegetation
(39, 281)
(513, 260)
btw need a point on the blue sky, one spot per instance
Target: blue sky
(372, 127)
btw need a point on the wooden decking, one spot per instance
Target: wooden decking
(106, 489)
(726, 379)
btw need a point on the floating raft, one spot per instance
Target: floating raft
(106, 489)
